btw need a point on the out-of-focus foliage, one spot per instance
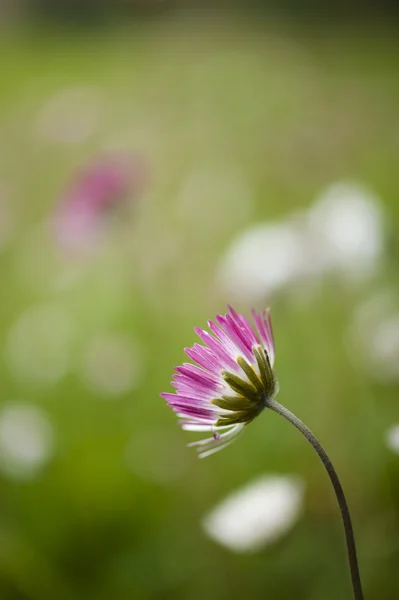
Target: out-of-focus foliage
(241, 123)
(95, 12)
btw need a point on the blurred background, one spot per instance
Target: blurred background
(159, 159)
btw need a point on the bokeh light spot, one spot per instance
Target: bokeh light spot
(112, 365)
(347, 223)
(392, 438)
(26, 440)
(38, 344)
(263, 259)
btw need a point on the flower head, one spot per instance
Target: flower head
(230, 382)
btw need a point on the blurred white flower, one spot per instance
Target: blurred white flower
(26, 440)
(112, 365)
(263, 259)
(70, 116)
(374, 336)
(392, 438)
(38, 344)
(343, 232)
(384, 348)
(257, 515)
(346, 223)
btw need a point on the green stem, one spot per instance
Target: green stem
(346, 518)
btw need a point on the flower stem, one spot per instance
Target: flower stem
(346, 518)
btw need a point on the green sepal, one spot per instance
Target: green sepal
(233, 403)
(266, 371)
(237, 417)
(243, 388)
(250, 373)
(244, 416)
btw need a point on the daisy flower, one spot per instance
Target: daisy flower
(230, 379)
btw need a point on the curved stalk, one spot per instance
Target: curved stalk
(346, 518)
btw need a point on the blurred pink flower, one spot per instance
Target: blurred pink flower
(103, 184)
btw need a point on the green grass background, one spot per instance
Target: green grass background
(290, 110)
